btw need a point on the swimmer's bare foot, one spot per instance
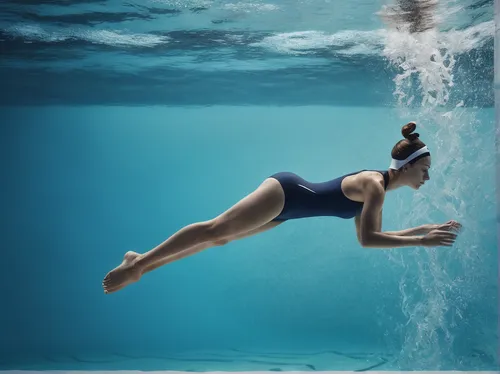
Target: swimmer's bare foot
(122, 275)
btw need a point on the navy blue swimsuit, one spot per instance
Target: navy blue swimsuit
(306, 199)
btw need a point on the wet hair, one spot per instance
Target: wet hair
(410, 144)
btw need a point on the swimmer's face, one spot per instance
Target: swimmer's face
(418, 173)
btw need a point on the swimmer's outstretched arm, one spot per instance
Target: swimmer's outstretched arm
(419, 230)
(371, 236)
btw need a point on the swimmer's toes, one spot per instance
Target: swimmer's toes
(114, 288)
(111, 285)
(106, 282)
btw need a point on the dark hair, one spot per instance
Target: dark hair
(410, 144)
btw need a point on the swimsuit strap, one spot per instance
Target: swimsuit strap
(384, 173)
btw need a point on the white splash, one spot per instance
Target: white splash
(346, 42)
(31, 32)
(249, 7)
(378, 42)
(441, 283)
(185, 4)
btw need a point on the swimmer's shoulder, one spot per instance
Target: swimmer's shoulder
(368, 179)
(355, 186)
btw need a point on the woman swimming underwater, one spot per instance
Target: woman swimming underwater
(284, 196)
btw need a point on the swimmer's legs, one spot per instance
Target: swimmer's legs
(250, 213)
(203, 246)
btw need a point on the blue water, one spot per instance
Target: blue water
(124, 122)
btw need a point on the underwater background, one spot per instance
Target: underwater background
(122, 122)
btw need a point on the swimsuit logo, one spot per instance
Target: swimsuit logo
(305, 188)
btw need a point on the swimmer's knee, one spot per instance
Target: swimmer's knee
(219, 230)
(211, 232)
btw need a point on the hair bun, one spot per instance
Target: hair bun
(408, 129)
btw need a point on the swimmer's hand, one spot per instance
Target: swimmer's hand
(452, 226)
(437, 238)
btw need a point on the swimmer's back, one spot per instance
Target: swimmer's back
(307, 199)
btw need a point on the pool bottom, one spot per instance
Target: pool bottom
(236, 361)
(239, 372)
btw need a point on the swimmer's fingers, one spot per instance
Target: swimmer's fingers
(455, 226)
(448, 235)
(447, 238)
(458, 226)
(439, 238)
(451, 226)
